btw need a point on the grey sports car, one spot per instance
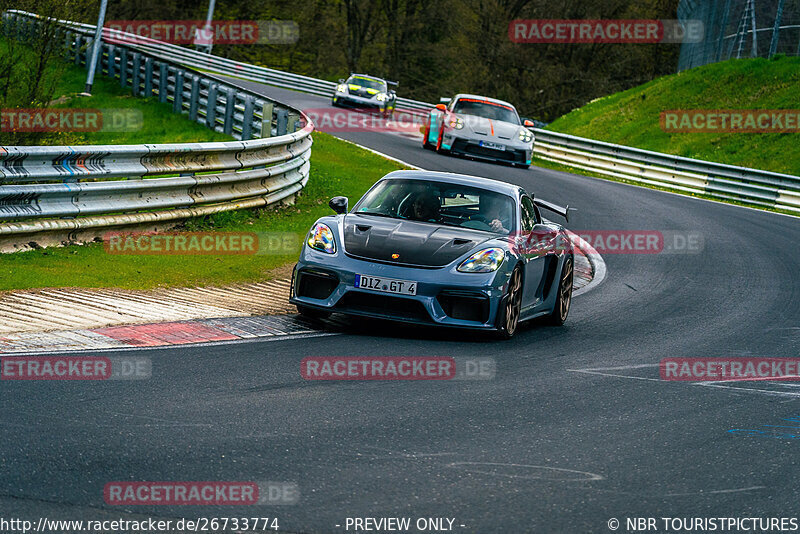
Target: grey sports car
(438, 249)
(481, 128)
(365, 92)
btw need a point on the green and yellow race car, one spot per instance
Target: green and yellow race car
(364, 92)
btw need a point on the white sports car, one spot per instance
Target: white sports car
(481, 128)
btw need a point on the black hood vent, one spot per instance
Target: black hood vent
(407, 242)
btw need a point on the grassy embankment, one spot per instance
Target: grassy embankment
(632, 117)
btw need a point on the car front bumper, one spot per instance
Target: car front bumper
(514, 153)
(359, 102)
(444, 296)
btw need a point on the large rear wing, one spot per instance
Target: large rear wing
(563, 211)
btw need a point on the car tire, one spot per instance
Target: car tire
(510, 307)
(312, 313)
(564, 298)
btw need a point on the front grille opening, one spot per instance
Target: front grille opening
(380, 304)
(461, 145)
(316, 284)
(465, 306)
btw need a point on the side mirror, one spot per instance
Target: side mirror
(441, 107)
(392, 92)
(341, 80)
(528, 123)
(541, 240)
(543, 230)
(338, 204)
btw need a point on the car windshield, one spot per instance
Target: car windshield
(487, 110)
(369, 83)
(440, 203)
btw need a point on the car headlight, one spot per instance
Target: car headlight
(380, 97)
(525, 135)
(321, 238)
(484, 261)
(341, 88)
(457, 123)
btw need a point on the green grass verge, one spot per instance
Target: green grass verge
(632, 117)
(158, 125)
(337, 168)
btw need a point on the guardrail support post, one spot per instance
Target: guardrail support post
(18, 28)
(266, 120)
(194, 99)
(78, 44)
(163, 78)
(230, 106)
(137, 72)
(177, 102)
(87, 53)
(211, 107)
(294, 118)
(283, 121)
(68, 45)
(148, 77)
(247, 119)
(112, 61)
(123, 67)
(98, 66)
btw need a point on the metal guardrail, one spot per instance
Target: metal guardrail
(752, 186)
(101, 187)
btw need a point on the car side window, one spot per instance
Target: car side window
(529, 218)
(537, 214)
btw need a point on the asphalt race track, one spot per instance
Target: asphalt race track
(575, 429)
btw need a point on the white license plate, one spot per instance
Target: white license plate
(495, 146)
(386, 285)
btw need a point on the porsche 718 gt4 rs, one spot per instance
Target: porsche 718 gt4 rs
(481, 128)
(438, 249)
(365, 92)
